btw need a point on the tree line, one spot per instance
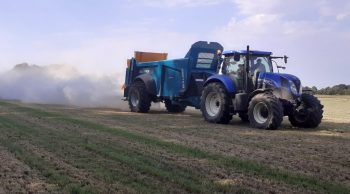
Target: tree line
(341, 89)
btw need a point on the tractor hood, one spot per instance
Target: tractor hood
(290, 77)
(280, 81)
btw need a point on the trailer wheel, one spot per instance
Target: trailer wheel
(265, 111)
(215, 104)
(174, 108)
(139, 99)
(309, 114)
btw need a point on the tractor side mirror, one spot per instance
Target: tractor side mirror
(237, 57)
(285, 59)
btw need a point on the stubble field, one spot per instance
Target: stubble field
(59, 149)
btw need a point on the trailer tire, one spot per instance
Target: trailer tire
(265, 111)
(174, 108)
(215, 104)
(138, 97)
(310, 115)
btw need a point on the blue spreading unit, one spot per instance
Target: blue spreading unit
(178, 80)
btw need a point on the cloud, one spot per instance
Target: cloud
(296, 9)
(181, 3)
(257, 7)
(339, 10)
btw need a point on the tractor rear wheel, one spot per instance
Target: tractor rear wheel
(174, 108)
(215, 104)
(265, 111)
(138, 97)
(309, 114)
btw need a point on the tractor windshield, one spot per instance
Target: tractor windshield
(260, 64)
(234, 65)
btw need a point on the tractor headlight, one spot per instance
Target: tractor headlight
(293, 88)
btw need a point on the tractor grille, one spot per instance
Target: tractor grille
(284, 82)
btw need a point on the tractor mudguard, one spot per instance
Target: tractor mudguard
(149, 83)
(258, 91)
(225, 80)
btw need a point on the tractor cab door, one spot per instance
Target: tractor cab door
(234, 68)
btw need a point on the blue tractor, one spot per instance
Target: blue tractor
(178, 83)
(247, 84)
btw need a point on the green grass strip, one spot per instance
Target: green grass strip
(248, 166)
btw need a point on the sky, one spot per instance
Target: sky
(97, 36)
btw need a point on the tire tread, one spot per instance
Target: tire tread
(145, 99)
(225, 116)
(276, 111)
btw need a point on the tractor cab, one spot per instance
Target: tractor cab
(234, 65)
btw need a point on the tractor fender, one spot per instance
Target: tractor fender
(149, 83)
(225, 80)
(258, 91)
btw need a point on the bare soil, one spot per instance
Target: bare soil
(17, 177)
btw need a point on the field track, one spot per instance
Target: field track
(60, 149)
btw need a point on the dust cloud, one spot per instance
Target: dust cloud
(60, 84)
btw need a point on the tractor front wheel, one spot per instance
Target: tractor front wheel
(309, 114)
(265, 111)
(139, 99)
(174, 108)
(215, 104)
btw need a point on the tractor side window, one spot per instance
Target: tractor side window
(234, 67)
(205, 60)
(231, 65)
(235, 70)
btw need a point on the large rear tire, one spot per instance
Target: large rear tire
(265, 111)
(309, 114)
(138, 97)
(174, 108)
(215, 104)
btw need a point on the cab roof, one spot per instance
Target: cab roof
(253, 52)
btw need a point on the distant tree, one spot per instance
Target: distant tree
(340, 89)
(307, 88)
